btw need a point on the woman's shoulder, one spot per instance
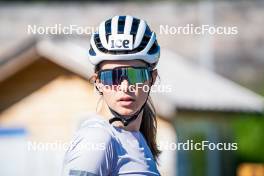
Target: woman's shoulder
(95, 125)
(94, 130)
(94, 120)
(93, 140)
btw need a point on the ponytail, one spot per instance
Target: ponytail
(148, 127)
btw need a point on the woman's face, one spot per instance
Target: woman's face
(124, 99)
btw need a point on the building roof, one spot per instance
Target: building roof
(197, 88)
(190, 87)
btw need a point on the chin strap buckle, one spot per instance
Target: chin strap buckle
(125, 121)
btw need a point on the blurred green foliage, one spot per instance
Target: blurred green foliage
(249, 134)
(198, 157)
(249, 130)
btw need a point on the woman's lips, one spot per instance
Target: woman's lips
(126, 101)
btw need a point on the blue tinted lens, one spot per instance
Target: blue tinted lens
(106, 77)
(132, 74)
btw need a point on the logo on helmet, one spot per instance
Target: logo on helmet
(120, 42)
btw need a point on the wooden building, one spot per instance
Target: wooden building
(44, 89)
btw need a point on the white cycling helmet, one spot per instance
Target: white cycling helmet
(124, 38)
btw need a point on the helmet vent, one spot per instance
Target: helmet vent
(121, 24)
(134, 28)
(154, 48)
(108, 29)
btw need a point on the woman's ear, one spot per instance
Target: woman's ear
(154, 76)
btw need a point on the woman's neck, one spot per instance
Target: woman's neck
(133, 126)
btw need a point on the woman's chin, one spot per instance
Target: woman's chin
(126, 111)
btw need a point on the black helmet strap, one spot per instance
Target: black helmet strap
(125, 119)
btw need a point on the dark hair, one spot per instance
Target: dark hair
(148, 125)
